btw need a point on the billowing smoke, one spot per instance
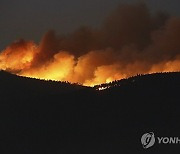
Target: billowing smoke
(130, 41)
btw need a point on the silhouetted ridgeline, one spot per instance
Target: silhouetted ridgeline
(59, 118)
(170, 78)
(9, 82)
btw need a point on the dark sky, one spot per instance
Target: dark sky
(30, 19)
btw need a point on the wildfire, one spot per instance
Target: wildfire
(102, 88)
(130, 42)
(90, 69)
(18, 56)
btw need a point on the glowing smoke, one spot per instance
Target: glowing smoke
(131, 41)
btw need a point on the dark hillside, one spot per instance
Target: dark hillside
(10, 82)
(60, 118)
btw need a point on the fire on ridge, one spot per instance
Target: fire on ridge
(131, 41)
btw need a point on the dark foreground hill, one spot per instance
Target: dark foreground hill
(59, 118)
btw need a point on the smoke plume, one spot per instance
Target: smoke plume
(130, 41)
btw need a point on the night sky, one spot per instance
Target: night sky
(30, 19)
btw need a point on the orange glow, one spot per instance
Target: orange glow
(18, 56)
(131, 41)
(58, 69)
(89, 69)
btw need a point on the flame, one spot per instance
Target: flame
(130, 42)
(102, 88)
(58, 69)
(18, 58)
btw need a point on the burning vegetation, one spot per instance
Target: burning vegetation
(131, 41)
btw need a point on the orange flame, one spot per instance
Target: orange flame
(18, 56)
(89, 69)
(131, 41)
